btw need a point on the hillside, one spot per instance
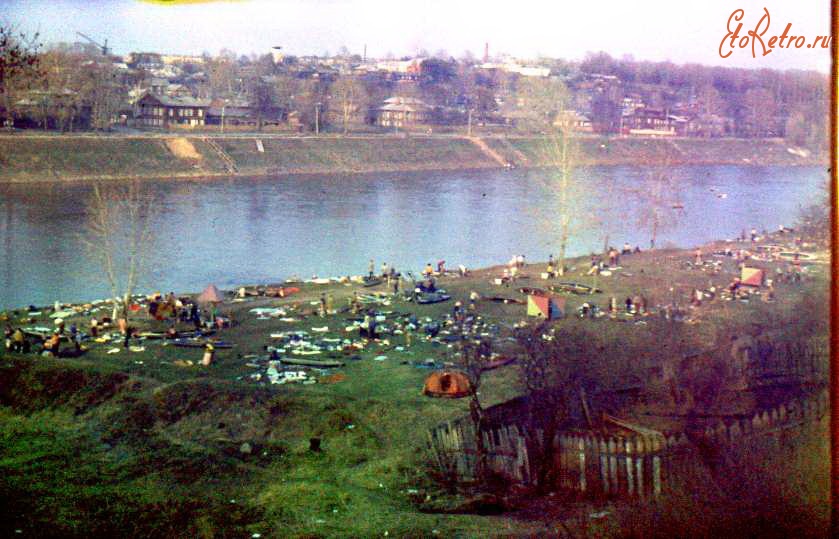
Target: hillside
(50, 158)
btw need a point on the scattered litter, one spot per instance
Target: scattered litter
(137, 348)
(113, 351)
(599, 514)
(379, 358)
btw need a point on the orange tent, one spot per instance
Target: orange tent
(447, 384)
(751, 277)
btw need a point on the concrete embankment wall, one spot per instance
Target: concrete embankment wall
(27, 158)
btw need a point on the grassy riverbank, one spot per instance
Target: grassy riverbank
(29, 158)
(149, 441)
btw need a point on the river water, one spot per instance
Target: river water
(254, 230)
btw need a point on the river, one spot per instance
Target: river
(254, 230)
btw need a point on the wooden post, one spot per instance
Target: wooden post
(640, 449)
(613, 464)
(604, 465)
(581, 447)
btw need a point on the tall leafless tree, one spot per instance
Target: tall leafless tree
(351, 98)
(541, 103)
(118, 236)
(657, 197)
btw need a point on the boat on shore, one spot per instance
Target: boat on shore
(575, 288)
(326, 364)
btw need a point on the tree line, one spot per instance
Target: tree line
(61, 80)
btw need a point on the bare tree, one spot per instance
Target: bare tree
(473, 357)
(554, 368)
(118, 236)
(540, 102)
(18, 61)
(657, 194)
(351, 97)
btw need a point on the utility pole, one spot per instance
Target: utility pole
(222, 118)
(317, 118)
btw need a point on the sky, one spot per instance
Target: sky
(655, 30)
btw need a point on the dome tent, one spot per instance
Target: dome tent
(447, 384)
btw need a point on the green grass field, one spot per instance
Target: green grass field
(105, 443)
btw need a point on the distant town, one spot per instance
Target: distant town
(83, 86)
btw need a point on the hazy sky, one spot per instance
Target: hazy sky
(646, 29)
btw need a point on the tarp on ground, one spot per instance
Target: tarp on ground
(210, 294)
(751, 276)
(547, 307)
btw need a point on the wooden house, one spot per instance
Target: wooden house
(164, 111)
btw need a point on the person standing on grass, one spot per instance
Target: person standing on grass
(371, 269)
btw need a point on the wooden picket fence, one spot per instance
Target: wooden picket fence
(637, 465)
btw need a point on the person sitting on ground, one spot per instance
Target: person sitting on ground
(628, 304)
(627, 249)
(463, 271)
(428, 271)
(734, 286)
(637, 249)
(441, 266)
(595, 265)
(585, 309)
(19, 342)
(550, 271)
(53, 344)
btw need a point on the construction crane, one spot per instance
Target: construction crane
(104, 48)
